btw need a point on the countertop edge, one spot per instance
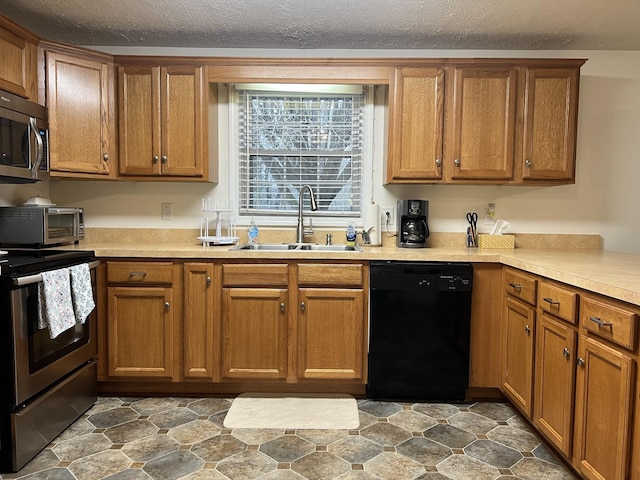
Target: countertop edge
(613, 274)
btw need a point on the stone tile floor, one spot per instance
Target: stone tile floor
(184, 438)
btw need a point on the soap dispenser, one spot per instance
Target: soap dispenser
(253, 232)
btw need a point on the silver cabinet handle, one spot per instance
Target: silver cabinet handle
(155, 159)
(516, 286)
(208, 280)
(551, 301)
(438, 162)
(580, 362)
(302, 306)
(528, 163)
(164, 159)
(137, 274)
(167, 305)
(282, 307)
(105, 157)
(599, 321)
(565, 352)
(456, 162)
(527, 329)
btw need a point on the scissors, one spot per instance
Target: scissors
(472, 218)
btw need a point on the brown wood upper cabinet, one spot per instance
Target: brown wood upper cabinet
(549, 136)
(80, 98)
(480, 136)
(491, 122)
(416, 125)
(162, 118)
(18, 60)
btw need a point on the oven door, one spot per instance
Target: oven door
(39, 360)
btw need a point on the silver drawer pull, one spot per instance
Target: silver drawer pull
(167, 305)
(137, 274)
(600, 322)
(565, 352)
(516, 286)
(551, 301)
(580, 362)
(527, 329)
(282, 307)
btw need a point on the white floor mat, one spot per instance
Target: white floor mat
(293, 411)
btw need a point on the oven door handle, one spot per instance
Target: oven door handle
(30, 279)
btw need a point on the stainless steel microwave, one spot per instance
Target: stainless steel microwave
(40, 226)
(24, 140)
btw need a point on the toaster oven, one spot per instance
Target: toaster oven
(41, 226)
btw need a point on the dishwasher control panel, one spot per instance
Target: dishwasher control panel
(423, 276)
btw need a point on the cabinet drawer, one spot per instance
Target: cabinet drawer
(140, 272)
(520, 285)
(255, 274)
(559, 301)
(320, 274)
(608, 320)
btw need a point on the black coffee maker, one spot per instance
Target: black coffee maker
(413, 229)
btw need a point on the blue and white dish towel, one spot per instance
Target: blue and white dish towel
(81, 292)
(66, 298)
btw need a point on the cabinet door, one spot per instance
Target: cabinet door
(480, 139)
(182, 109)
(603, 411)
(254, 330)
(198, 327)
(18, 61)
(79, 97)
(517, 377)
(416, 125)
(140, 331)
(331, 334)
(550, 118)
(554, 381)
(139, 120)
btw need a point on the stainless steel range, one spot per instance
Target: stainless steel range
(47, 383)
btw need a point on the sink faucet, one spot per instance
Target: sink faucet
(314, 207)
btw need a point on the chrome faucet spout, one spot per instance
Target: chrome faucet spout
(314, 207)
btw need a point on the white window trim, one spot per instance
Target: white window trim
(291, 221)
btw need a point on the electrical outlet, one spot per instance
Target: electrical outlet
(388, 218)
(166, 211)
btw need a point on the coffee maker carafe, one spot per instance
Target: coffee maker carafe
(413, 229)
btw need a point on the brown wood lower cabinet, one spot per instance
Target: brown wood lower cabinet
(603, 411)
(331, 333)
(199, 301)
(254, 333)
(517, 376)
(585, 373)
(140, 330)
(555, 368)
(142, 319)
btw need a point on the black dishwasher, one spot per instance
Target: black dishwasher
(419, 330)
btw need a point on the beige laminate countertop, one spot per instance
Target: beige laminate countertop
(609, 273)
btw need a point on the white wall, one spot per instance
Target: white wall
(603, 200)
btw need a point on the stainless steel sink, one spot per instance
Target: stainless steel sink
(316, 247)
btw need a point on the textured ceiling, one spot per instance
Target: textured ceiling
(335, 24)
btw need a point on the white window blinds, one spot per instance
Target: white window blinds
(289, 139)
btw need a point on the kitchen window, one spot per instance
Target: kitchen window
(292, 135)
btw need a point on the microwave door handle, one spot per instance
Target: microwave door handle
(39, 148)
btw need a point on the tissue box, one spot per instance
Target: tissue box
(496, 241)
